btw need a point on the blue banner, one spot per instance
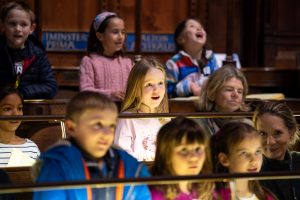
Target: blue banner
(77, 41)
(65, 41)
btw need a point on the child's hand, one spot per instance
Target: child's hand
(119, 95)
(195, 89)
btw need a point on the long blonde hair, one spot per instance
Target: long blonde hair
(134, 91)
(215, 82)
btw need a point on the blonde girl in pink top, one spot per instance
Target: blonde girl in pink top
(105, 69)
(145, 93)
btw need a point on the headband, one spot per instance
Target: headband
(100, 18)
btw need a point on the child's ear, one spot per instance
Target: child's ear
(180, 39)
(99, 36)
(70, 127)
(32, 28)
(223, 159)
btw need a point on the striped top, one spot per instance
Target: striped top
(29, 148)
(182, 69)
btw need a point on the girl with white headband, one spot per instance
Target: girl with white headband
(105, 69)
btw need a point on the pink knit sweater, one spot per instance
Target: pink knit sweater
(104, 74)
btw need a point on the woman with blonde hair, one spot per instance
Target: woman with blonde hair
(145, 93)
(224, 91)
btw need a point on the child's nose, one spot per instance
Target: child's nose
(154, 87)
(253, 158)
(120, 35)
(193, 155)
(18, 27)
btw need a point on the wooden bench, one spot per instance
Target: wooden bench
(20, 175)
(44, 130)
(45, 107)
(273, 80)
(260, 80)
(67, 75)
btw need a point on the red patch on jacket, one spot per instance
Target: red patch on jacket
(28, 62)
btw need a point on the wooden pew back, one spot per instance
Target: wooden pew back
(260, 80)
(20, 175)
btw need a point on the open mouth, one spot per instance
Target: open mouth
(155, 98)
(119, 43)
(199, 35)
(18, 36)
(271, 150)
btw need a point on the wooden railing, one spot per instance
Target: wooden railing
(58, 106)
(155, 180)
(45, 130)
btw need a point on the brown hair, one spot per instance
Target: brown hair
(132, 100)
(88, 100)
(6, 90)
(178, 32)
(19, 5)
(282, 111)
(93, 43)
(230, 135)
(214, 84)
(170, 136)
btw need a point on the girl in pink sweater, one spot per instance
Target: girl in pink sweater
(105, 69)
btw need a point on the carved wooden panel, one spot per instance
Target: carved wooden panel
(263, 33)
(282, 33)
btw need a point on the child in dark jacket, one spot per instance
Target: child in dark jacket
(88, 155)
(23, 61)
